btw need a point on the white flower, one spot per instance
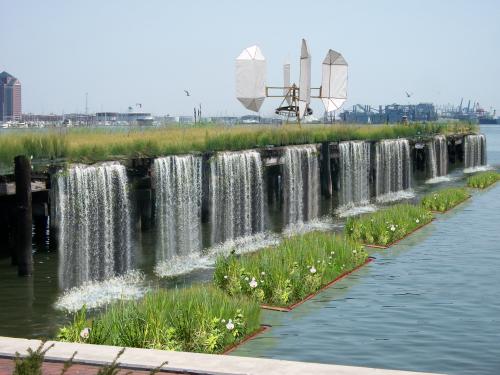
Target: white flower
(333, 252)
(223, 320)
(246, 279)
(319, 261)
(354, 251)
(225, 276)
(84, 334)
(253, 283)
(393, 228)
(312, 270)
(417, 221)
(230, 325)
(262, 273)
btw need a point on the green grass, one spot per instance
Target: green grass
(90, 145)
(387, 226)
(283, 275)
(199, 318)
(445, 199)
(483, 180)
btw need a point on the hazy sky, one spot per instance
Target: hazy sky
(124, 52)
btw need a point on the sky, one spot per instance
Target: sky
(124, 52)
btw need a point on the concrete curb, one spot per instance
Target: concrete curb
(190, 363)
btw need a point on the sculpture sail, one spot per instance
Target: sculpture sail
(304, 80)
(251, 78)
(286, 83)
(334, 81)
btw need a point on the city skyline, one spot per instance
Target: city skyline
(123, 53)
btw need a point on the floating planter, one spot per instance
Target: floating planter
(199, 318)
(483, 180)
(445, 200)
(284, 276)
(263, 328)
(385, 228)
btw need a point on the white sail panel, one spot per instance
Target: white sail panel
(305, 78)
(334, 81)
(251, 78)
(286, 83)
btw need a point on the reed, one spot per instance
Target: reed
(483, 180)
(97, 144)
(384, 227)
(283, 275)
(199, 318)
(444, 200)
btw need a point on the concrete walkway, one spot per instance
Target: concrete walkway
(180, 362)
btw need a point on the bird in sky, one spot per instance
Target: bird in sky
(408, 94)
(187, 92)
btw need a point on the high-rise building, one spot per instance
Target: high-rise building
(10, 98)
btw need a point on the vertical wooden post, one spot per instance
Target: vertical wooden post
(22, 171)
(326, 171)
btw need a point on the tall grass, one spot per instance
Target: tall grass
(89, 145)
(445, 199)
(387, 226)
(483, 180)
(291, 271)
(200, 318)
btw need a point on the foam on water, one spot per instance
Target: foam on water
(438, 180)
(322, 224)
(481, 168)
(353, 210)
(396, 196)
(203, 260)
(99, 293)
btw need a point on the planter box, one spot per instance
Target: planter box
(373, 246)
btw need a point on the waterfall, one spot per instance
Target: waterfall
(177, 182)
(92, 214)
(475, 150)
(392, 167)
(354, 173)
(301, 183)
(437, 157)
(237, 195)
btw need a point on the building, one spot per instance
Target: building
(10, 98)
(393, 113)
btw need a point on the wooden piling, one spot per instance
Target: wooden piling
(24, 254)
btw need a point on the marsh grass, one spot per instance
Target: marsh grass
(97, 144)
(446, 199)
(483, 180)
(199, 318)
(384, 227)
(288, 273)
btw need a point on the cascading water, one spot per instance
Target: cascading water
(475, 150)
(437, 157)
(92, 214)
(354, 159)
(237, 195)
(177, 182)
(392, 168)
(301, 184)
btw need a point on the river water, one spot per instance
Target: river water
(430, 303)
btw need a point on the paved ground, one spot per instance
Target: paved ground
(52, 368)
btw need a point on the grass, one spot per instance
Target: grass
(283, 275)
(199, 318)
(90, 145)
(483, 180)
(384, 227)
(444, 200)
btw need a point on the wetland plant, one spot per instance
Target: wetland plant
(483, 180)
(288, 273)
(384, 227)
(444, 200)
(199, 318)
